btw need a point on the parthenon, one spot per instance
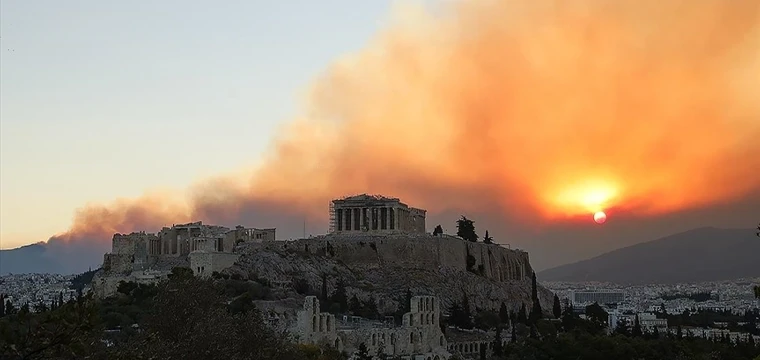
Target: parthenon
(375, 213)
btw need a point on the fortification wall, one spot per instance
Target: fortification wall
(205, 263)
(416, 251)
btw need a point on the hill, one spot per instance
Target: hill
(50, 258)
(386, 266)
(28, 259)
(703, 254)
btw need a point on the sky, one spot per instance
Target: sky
(107, 99)
(528, 117)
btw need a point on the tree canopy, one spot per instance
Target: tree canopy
(466, 229)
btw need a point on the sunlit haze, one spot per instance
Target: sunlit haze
(539, 112)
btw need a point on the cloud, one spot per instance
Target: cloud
(539, 111)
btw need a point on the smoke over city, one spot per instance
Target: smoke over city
(538, 111)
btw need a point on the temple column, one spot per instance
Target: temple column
(361, 218)
(388, 218)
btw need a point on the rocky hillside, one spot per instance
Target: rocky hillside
(385, 266)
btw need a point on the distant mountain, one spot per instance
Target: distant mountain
(47, 258)
(704, 254)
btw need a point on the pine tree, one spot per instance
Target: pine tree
(535, 313)
(2, 305)
(323, 299)
(503, 313)
(466, 314)
(9, 309)
(522, 317)
(362, 353)
(466, 229)
(679, 332)
(497, 345)
(487, 239)
(637, 327)
(354, 306)
(60, 297)
(339, 296)
(438, 231)
(533, 331)
(557, 309)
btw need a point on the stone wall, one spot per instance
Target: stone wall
(417, 251)
(204, 263)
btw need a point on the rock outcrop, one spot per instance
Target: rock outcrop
(386, 266)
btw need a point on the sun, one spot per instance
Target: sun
(600, 217)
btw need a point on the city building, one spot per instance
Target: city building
(597, 296)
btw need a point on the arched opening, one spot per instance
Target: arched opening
(374, 339)
(314, 324)
(327, 323)
(337, 344)
(441, 340)
(411, 338)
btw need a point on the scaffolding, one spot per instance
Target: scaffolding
(331, 227)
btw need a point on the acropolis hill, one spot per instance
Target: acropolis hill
(377, 245)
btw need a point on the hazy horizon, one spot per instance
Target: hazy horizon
(120, 117)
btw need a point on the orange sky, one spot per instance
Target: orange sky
(542, 109)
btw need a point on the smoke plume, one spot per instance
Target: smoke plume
(536, 110)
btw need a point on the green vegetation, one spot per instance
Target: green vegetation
(466, 229)
(190, 318)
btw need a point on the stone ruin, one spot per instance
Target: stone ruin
(418, 337)
(148, 257)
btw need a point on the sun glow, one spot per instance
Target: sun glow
(582, 198)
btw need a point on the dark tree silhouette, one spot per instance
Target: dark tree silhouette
(522, 316)
(503, 313)
(637, 327)
(339, 296)
(497, 346)
(557, 308)
(536, 313)
(466, 229)
(487, 239)
(438, 231)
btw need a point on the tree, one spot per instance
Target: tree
(596, 314)
(522, 316)
(9, 309)
(636, 327)
(756, 290)
(622, 328)
(535, 313)
(504, 314)
(2, 305)
(487, 239)
(362, 353)
(557, 309)
(514, 333)
(339, 296)
(68, 332)
(438, 231)
(497, 345)
(354, 306)
(466, 229)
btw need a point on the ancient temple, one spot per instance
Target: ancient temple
(376, 213)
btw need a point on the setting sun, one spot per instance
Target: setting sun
(600, 217)
(584, 197)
